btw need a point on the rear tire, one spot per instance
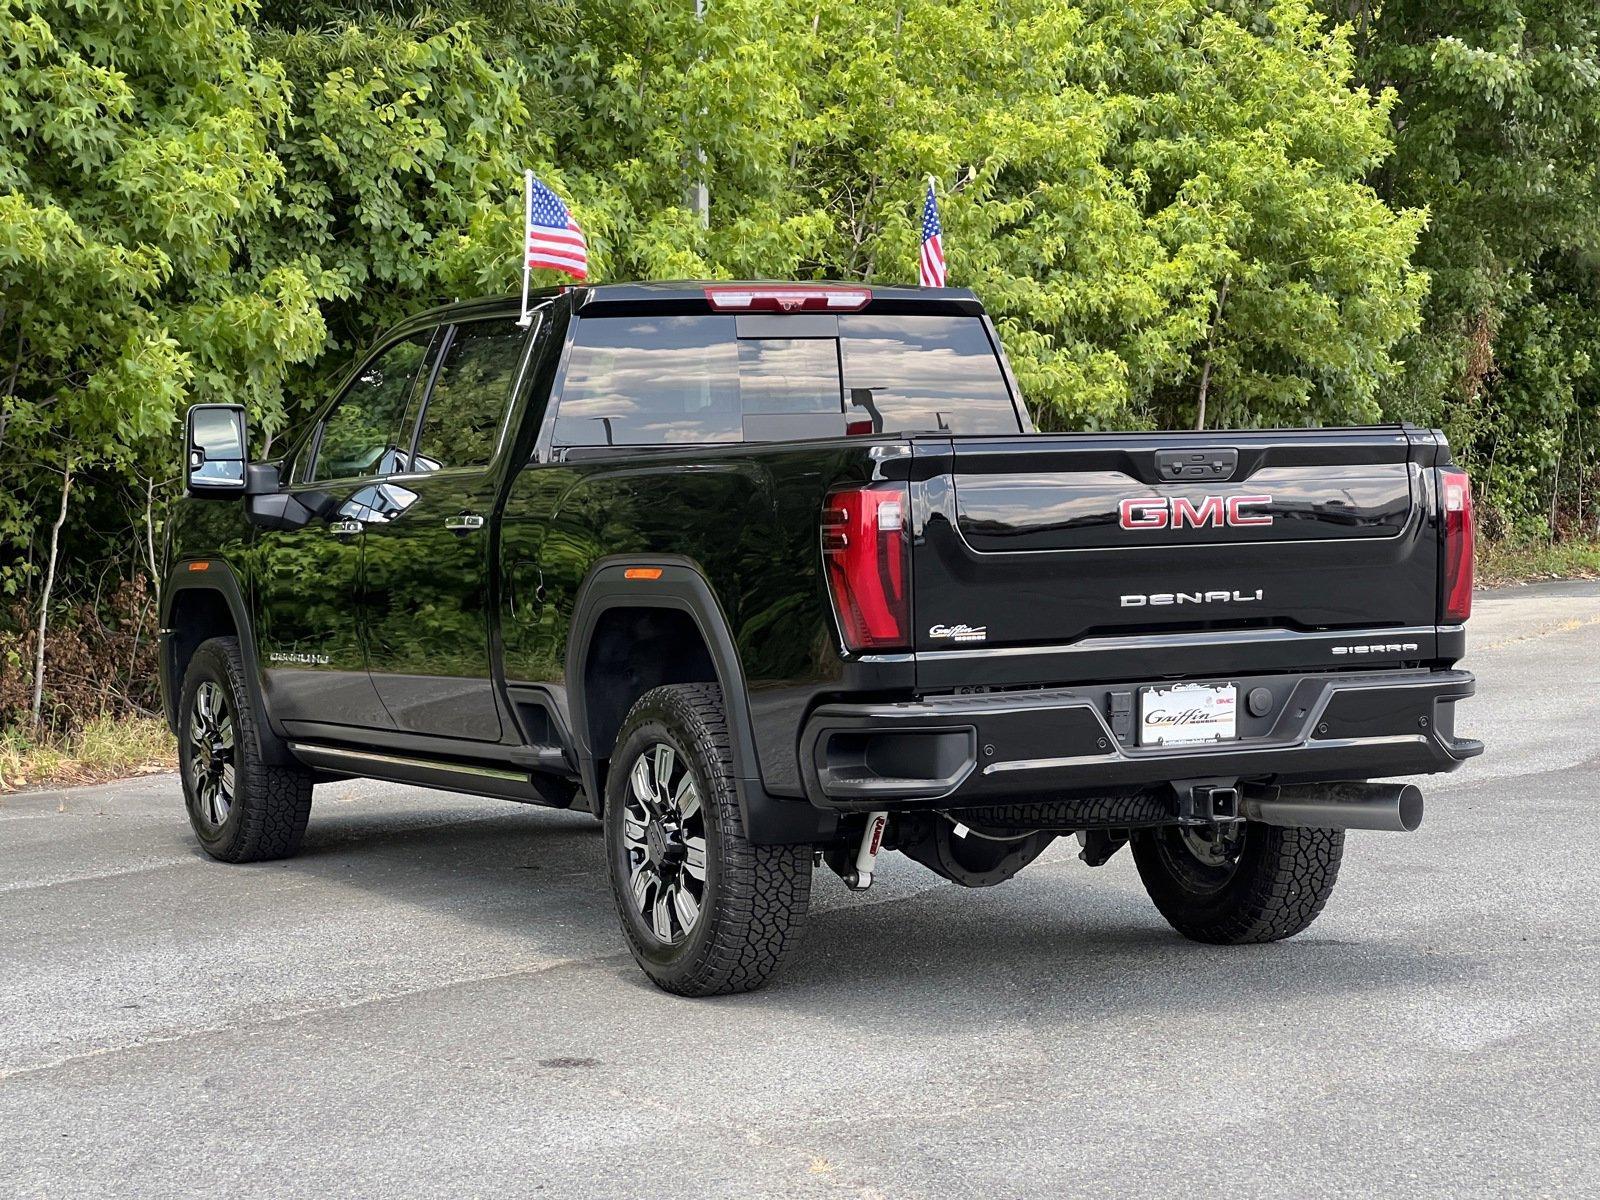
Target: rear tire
(705, 911)
(242, 808)
(1269, 886)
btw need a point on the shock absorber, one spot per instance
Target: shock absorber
(859, 877)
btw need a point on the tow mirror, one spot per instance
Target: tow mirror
(216, 463)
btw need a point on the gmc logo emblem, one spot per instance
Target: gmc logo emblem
(1179, 512)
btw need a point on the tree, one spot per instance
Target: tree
(1163, 202)
(1498, 133)
(135, 166)
(402, 163)
(1110, 171)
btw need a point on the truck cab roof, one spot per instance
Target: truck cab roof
(691, 296)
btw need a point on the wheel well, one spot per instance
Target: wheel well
(631, 651)
(198, 614)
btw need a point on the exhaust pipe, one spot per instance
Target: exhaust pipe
(1391, 806)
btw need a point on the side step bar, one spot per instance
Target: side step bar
(474, 779)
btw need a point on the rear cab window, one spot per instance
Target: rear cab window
(916, 373)
(720, 378)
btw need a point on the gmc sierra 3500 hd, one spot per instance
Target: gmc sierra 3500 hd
(767, 576)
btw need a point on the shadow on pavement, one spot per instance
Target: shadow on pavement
(1059, 940)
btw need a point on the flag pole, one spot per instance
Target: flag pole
(527, 223)
(699, 195)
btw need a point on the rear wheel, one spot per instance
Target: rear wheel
(242, 808)
(1239, 882)
(705, 911)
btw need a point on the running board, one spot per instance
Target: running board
(474, 779)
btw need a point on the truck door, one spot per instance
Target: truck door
(427, 596)
(309, 633)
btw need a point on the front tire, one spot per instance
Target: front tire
(705, 911)
(242, 808)
(1256, 883)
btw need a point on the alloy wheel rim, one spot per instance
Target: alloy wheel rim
(211, 759)
(664, 839)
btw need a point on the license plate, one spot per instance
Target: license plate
(1188, 713)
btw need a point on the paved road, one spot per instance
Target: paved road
(433, 998)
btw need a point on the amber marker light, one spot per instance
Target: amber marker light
(199, 566)
(642, 573)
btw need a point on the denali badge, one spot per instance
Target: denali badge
(298, 656)
(1177, 512)
(960, 633)
(1155, 599)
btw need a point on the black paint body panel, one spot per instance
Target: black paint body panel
(1018, 535)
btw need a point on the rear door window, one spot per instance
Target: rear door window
(467, 405)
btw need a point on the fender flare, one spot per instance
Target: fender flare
(681, 586)
(217, 577)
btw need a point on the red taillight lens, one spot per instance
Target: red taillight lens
(866, 555)
(1455, 495)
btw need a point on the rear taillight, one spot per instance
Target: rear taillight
(1455, 495)
(866, 556)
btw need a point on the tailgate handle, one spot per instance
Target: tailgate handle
(1178, 465)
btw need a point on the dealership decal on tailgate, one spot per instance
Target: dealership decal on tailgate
(1187, 713)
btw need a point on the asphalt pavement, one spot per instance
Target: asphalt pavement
(434, 999)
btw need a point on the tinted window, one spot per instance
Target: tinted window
(639, 381)
(926, 373)
(789, 375)
(467, 406)
(633, 381)
(361, 436)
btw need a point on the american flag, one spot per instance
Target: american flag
(554, 238)
(933, 272)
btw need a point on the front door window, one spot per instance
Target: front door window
(362, 436)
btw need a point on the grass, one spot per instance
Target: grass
(105, 749)
(1504, 562)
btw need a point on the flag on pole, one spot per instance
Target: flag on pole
(551, 238)
(933, 272)
(554, 238)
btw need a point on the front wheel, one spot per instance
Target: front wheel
(242, 808)
(1238, 883)
(705, 910)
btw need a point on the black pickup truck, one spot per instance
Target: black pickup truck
(770, 576)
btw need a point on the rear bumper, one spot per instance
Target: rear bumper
(961, 750)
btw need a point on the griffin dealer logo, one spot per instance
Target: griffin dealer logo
(1180, 512)
(959, 633)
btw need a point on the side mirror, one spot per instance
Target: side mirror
(217, 447)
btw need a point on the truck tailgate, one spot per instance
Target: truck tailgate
(1076, 558)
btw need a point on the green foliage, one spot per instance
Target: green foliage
(1179, 211)
(402, 160)
(1105, 169)
(136, 170)
(134, 175)
(1501, 140)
